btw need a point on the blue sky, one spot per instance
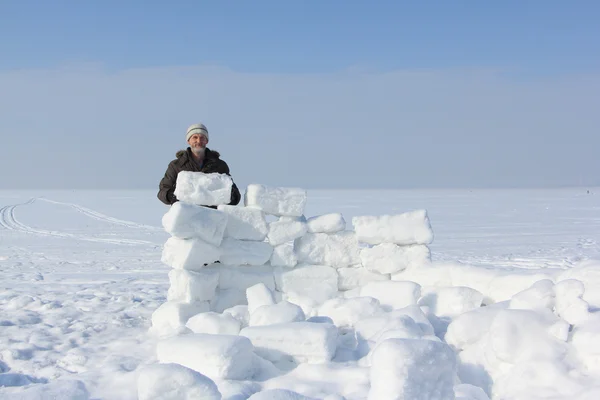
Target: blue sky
(424, 94)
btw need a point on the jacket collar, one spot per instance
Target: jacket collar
(183, 156)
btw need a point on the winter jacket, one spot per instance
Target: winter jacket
(186, 162)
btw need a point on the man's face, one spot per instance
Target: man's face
(197, 141)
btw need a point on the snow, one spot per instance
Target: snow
(389, 258)
(337, 250)
(192, 286)
(187, 221)
(403, 229)
(285, 231)
(272, 314)
(216, 356)
(326, 223)
(244, 252)
(510, 287)
(275, 200)
(284, 255)
(203, 189)
(259, 295)
(245, 223)
(175, 382)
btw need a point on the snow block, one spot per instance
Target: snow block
(318, 281)
(403, 229)
(245, 223)
(244, 252)
(279, 394)
(570, 305)
(273, 314)
(389, 258)
(259, 295)
(276, 200)
(337, 250)
(175, 382)
(326, 223)
(346, 312)
(187, 221)
(203, 189)
(412, 369)
(216, 356)
(450, 301)
(284, 256)
(393, 294)
(356, 277)
(189, 254)
(227, 298)
(191, 286)
(214, 323)
(170, 318)
(303, 342)
(285, 231)
(242, 277)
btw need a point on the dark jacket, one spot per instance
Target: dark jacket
(185, 162)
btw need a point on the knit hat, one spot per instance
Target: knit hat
(196, 128)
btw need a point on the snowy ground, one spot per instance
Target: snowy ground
(81, 272)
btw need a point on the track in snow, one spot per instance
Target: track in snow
(10, 222)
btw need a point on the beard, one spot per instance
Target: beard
(198, 151)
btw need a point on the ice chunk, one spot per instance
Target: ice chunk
(190, 286)
(285, 231)
(411, 369)
(175, 382)
(403, 229)
(327, 223)
(393, 294)
(284, 256)
(569, 303)
(276, 200)
(450, 301)
(304, 342)
(355, 277)
(190, 221)
(244, 252)
(279, 394)
(243, 277)
(337, 250)
(214, 323)
(346, 312)
(318, 280)
(170, 318)
(259, 295)
(280, 313)
(203, 189)
(216, 356)
(227, 298)
(245, 223)
(190, 254)
(389, 258)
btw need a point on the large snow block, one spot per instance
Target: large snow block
(347, 312)
(303, 342)
(318, 280)
(228, 298)
(203, 189)
(356, 277)
(276, 200)
(170, 318)
(243, 277)
(450, 301)
(191, 286)
(389, 258)
(175, 382)
(190, 221)
(214, 323)
(273, 314)
(337, 250)
(245, 223)
(403, 229)
(326, 223)
(216, 356)
(393, 294)
(284, 256)
(412, 369)
(189, 254)
(244, 252)
(259, 295)
(285, 231)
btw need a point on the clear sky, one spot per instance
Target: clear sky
(317, 94)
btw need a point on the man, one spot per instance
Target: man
(196, 158)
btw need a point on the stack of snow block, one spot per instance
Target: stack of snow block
(216, 255)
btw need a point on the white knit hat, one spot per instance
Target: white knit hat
(196, 128)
